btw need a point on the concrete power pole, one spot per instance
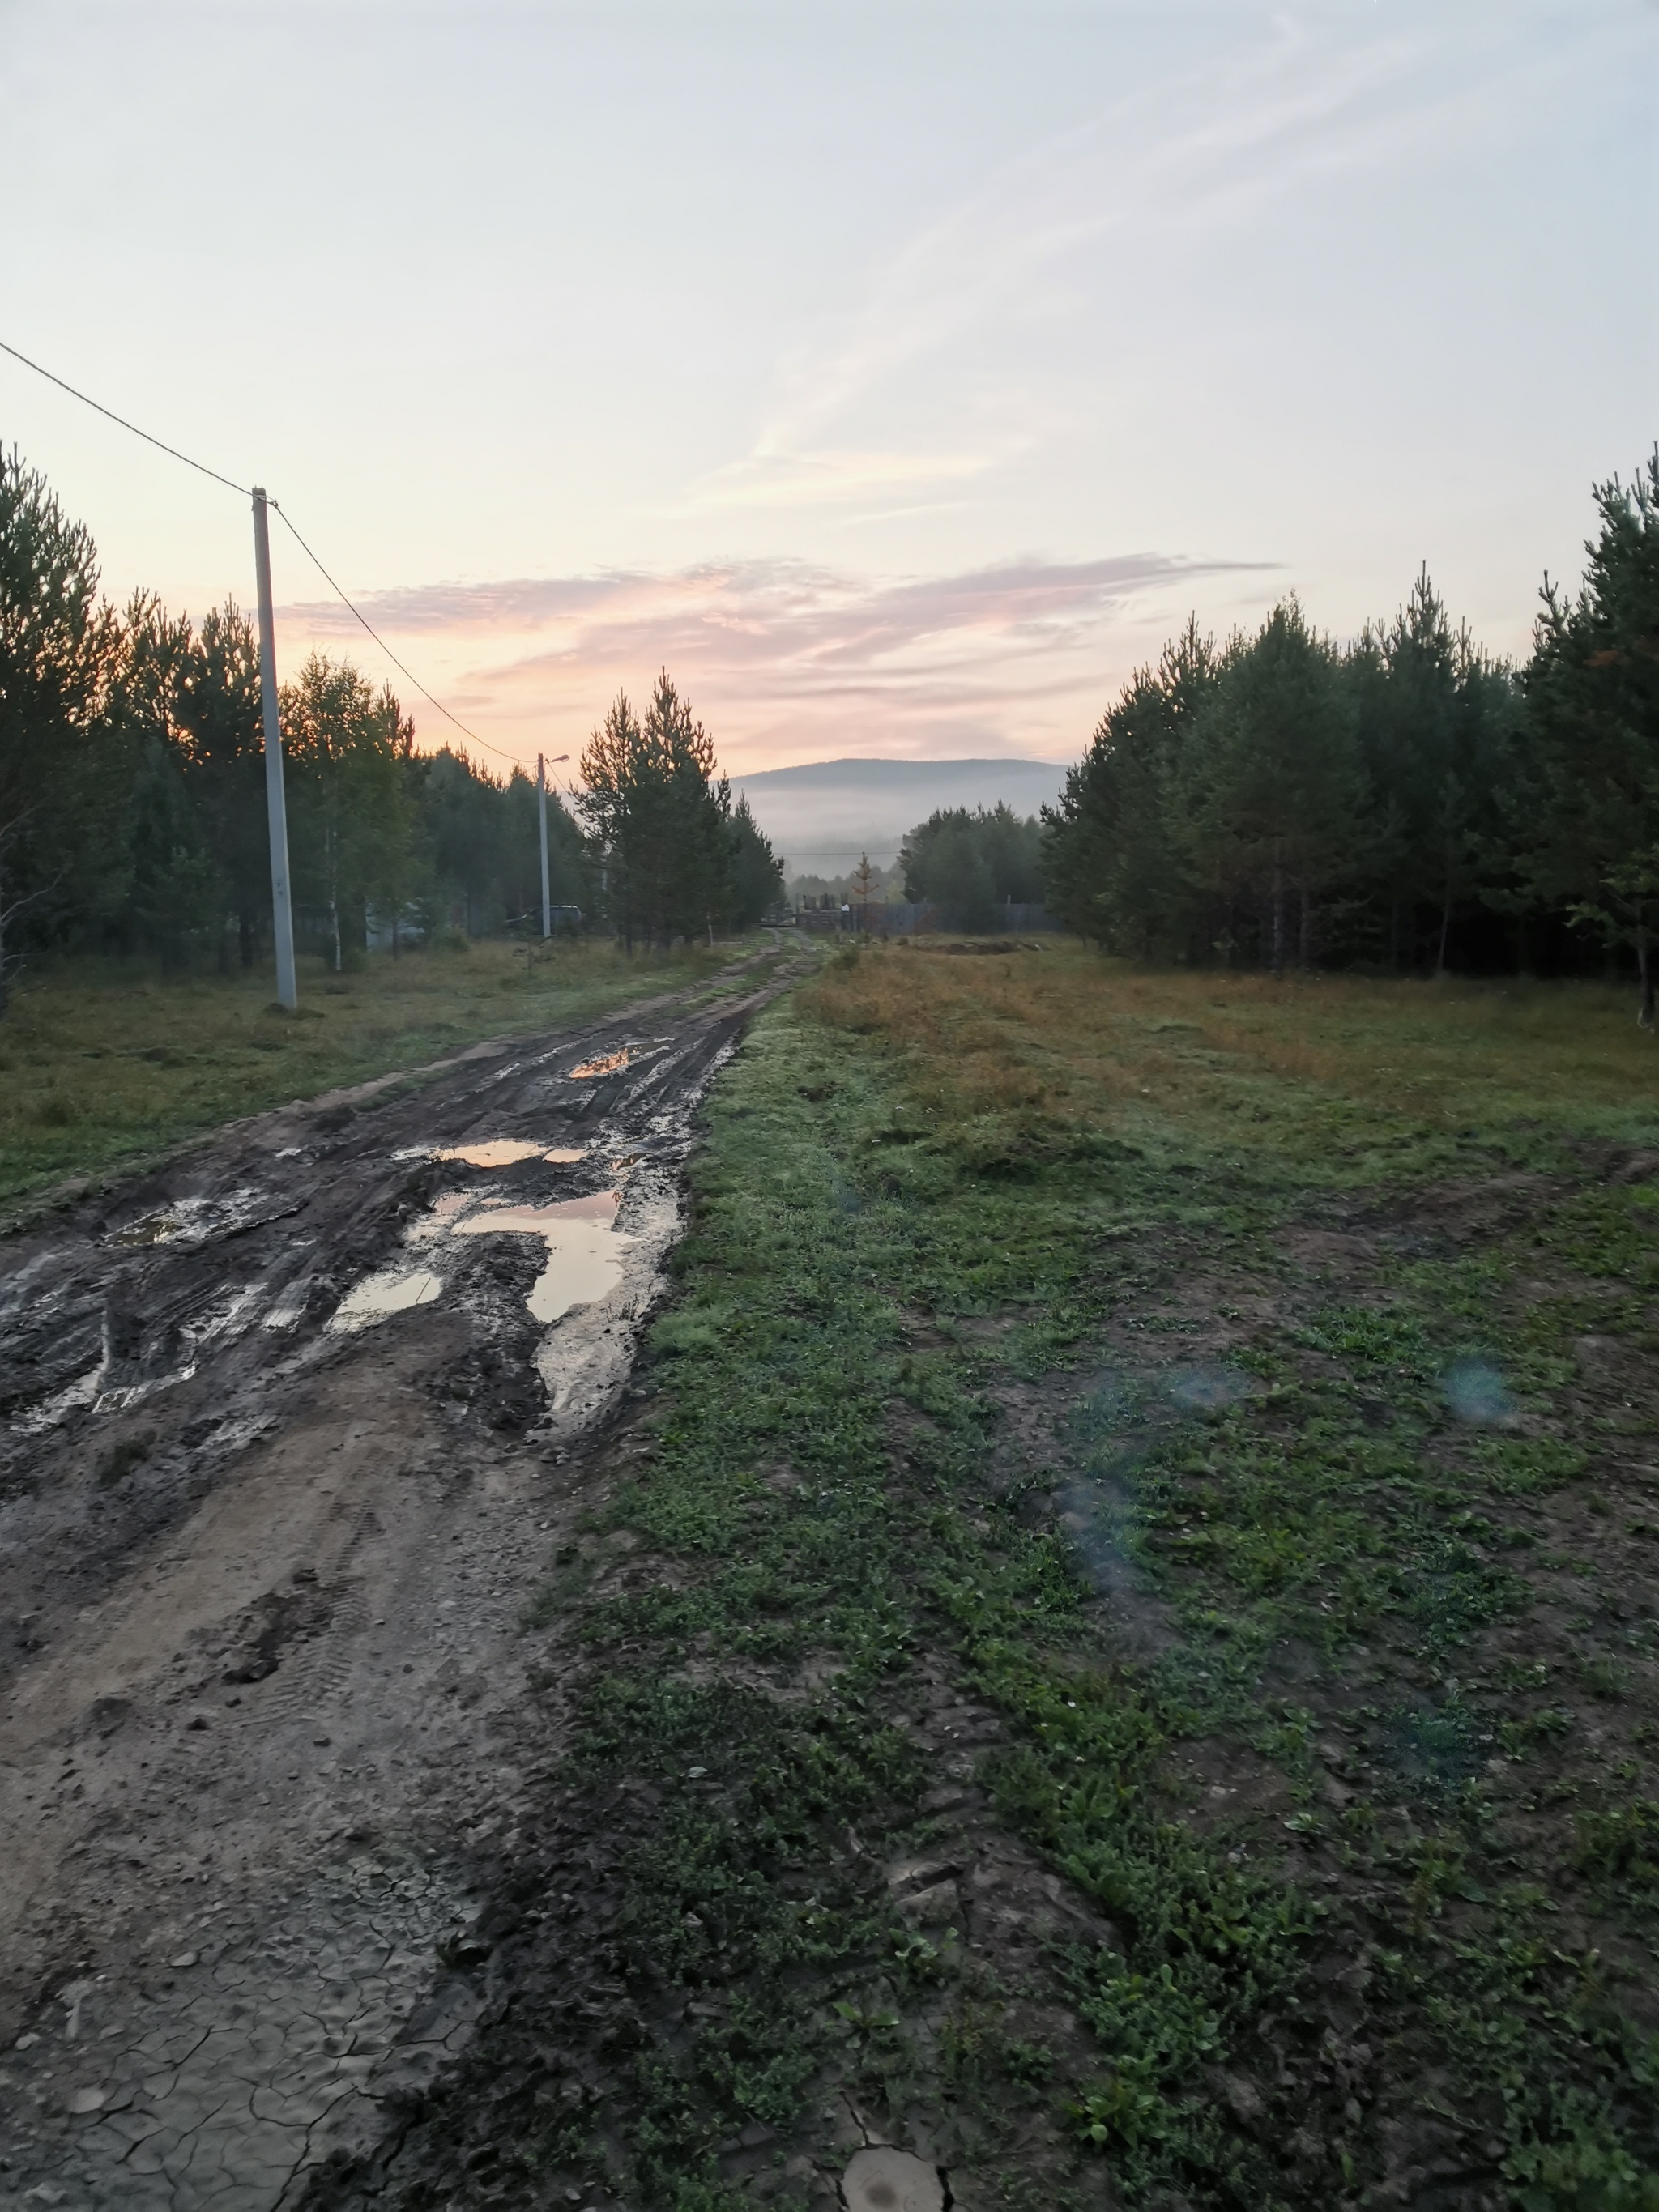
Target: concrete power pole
(281, 905)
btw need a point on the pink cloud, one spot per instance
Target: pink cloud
(784, 661)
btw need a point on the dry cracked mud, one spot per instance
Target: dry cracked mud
(281, 1435)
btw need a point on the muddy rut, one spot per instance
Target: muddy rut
(280, 1438)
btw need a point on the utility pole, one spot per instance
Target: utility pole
(282, 905)
(541, 802)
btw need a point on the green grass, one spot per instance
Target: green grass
(1339, 1077)
(105, 1067)
(1267, 1446)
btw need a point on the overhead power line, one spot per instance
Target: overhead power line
(381, 642)
(201, 467)
(245, 491)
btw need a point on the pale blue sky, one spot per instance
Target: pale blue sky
(900, 373)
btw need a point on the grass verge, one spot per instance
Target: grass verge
(1120, 1653)
(106, 1066)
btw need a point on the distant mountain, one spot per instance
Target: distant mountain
(821, 816)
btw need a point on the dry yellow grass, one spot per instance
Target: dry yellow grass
(1064, 1034)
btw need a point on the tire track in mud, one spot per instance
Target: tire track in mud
(261, 1704)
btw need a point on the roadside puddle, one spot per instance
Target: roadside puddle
(611, 1064)
(97, 1392)
(498, 1152)
(883, 2179)
(584, 1255)
(392, 1291)
(506, 1153)
(583, 1251)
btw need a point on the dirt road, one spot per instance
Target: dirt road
(279, 1469)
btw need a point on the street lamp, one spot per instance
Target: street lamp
(541, 805)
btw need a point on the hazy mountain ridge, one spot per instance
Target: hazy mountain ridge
(820, 813)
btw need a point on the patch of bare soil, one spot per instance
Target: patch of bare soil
(266, 1739)
(571, 2008)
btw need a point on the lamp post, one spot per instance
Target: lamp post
(541, 803)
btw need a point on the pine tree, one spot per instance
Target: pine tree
(62, 766)
(1593, 691)
(658, 825)
(1435, 722)
(224, 739)
(175, 891)
(757, 872)
(1269, 791)
(974, 860)
(1113, 867)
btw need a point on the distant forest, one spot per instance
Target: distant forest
(972, 862)
(132, 791)
(1404, 801)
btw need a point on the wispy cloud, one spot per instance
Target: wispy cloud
(1033, 233)
(784, 659)
(978, 344)
(1050, 241)
(767, 477)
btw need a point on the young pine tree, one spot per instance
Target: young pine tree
(175, 894)
(1592, 689)
(757, 872)
(1269, 789)
(224, 737)
(1114, 864)
(659, 826)
(63, 767)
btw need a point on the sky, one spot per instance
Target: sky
(898, 375)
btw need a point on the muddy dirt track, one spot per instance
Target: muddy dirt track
(280, 1438)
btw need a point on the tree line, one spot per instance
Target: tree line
(1404, 799)
(132, 791)
(974, 860)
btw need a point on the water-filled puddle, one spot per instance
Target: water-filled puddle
(392, 1291)
(584, 1255)
(610, 1064)
(584, 1252)
(506, 1153)
(497, 1152)
(154, 1228)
